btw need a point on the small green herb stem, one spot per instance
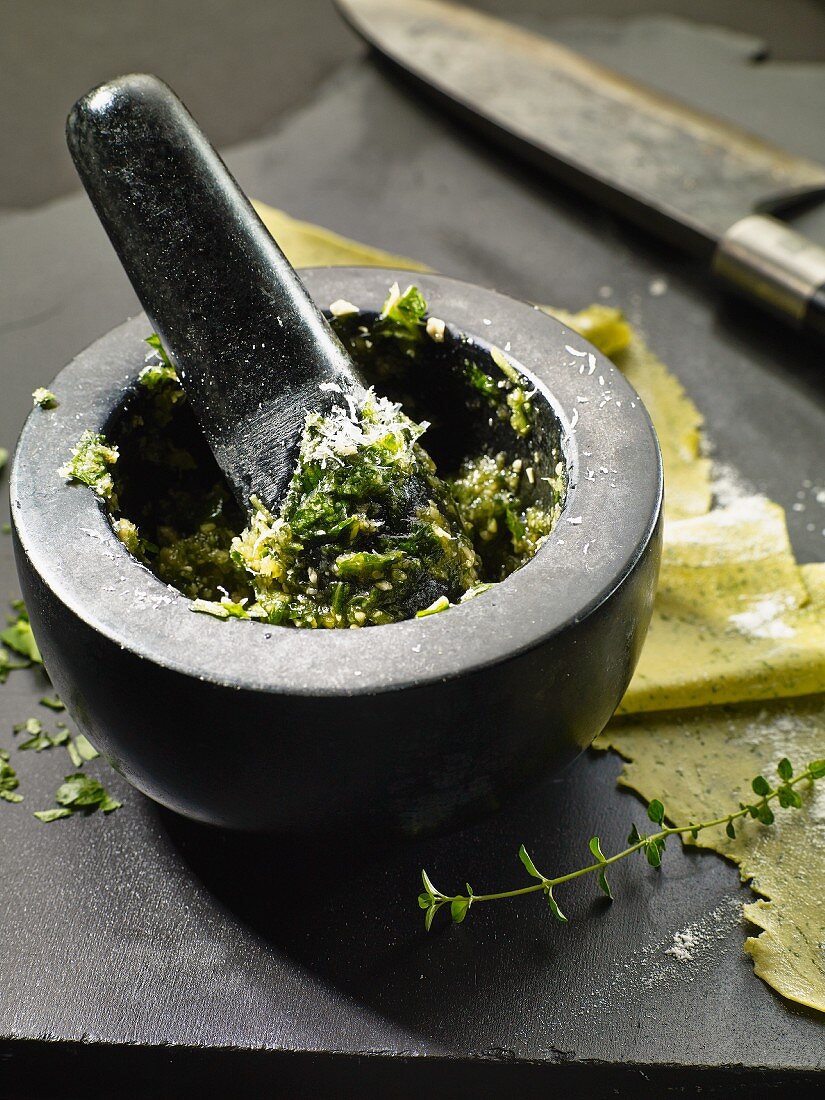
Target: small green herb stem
(545, 884)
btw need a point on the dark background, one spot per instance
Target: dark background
(153, 955)
(242, 65)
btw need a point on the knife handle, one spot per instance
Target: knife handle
(764, 259)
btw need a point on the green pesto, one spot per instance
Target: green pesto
(368, 532)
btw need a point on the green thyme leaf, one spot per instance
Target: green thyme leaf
(784, 769)
(554, 905)
(816, 768)
(596, 849)
(760, 785)
(528, 863)
(458, 909)
(653, 851)
(656, 811)
(428, 885)
(765, 814)
(730, 830)
(604, 885)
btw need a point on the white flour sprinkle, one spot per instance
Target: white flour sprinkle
(690, 941)
(763, 619)
(729, 485)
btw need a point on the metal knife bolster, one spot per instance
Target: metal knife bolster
(763, 258)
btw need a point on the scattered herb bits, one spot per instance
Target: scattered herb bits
(79, 794)
(8, 780)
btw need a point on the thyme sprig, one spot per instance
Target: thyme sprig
(650, 846)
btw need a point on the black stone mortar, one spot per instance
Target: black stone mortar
(404, 728)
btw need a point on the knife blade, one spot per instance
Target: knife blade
(697, 181)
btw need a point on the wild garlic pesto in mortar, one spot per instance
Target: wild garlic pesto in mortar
(421, 499)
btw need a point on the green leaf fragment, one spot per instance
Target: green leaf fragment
(402, 315)
(441, 604)
(760, 785)
(157, 347)
(85, 748)
(18, 636)
(528, 863)
(7, 665)
(44, 399)
(74, 755)
(604, 885)
(425, 901)
(633, 837)
(730, 830)
(52, 815)
(52, 702)
(784, 769)
(225, 609)
(816, 769)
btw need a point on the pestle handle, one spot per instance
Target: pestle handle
(250, 346)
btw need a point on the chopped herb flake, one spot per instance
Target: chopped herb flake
(18, 636)
(52, 702)
(44, 399)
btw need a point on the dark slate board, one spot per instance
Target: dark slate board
(152, 954)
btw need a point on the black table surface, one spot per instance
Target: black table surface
(143, 952)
